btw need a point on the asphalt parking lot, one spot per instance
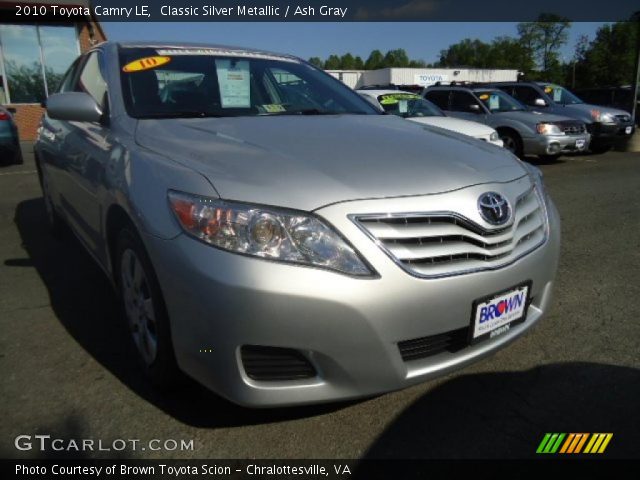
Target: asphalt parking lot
(67, 368)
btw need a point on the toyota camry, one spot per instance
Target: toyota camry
(274, 236)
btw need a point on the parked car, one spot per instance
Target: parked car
(285, 250)
(9, 140)
(415, 108)
(605, 124)
(523, 132)
(619, 97)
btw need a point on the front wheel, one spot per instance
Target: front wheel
(144, 310)
(512, 142)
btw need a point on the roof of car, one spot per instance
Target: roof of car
(473, 88)
(386, 92)
(196, 45)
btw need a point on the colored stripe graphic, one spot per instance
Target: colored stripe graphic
(550, 443)
(574, 443)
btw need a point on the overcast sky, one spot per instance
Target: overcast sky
(420, 40)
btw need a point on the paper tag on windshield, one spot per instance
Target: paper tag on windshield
(494, 102)
(557, 95)
(402, 106)
(233, 77)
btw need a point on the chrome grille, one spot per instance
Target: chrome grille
(445, 244)
(572, 128)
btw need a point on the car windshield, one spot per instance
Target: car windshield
(498, 101)
(408, 105)
(561, 95)
(213, 82)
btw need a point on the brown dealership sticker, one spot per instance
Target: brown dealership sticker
(145, 63)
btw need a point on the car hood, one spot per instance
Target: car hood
(529, 117)
(583, 111)
(306, 162)
(465, 127)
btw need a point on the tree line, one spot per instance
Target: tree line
(607, 59)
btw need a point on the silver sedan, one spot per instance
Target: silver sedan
(275, 237)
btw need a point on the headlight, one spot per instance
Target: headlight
(607, 118)
(548, 129)
(494, 137)
(266, 232)
(598, 116)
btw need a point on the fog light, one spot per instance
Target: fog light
(553, 148)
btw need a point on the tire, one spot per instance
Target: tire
(56, 224)
(548, 158)
(600, 148)
(512, 142)
(144, 310)
(17, 156)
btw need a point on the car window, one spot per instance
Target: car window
(91, 80)
(561, 95)
(498, 101)
(214, 82)
(67, 84)
(408, 105)
(439, 98)
(464, 102)
(526, 95)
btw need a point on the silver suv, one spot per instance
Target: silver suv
(274, 236)
(523, 132)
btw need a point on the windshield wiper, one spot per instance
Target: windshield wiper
(183, 114)
(315, 111)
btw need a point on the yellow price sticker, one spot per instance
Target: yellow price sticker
(484, 96)
(548, 90)
(146, 63)
(273, 108)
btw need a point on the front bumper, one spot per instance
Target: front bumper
(609, 133)
(348, 328)
(556, 144)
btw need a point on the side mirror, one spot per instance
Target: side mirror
(539, 102)
(73, 106)
(475, 108)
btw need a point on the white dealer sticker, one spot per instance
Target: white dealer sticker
(501, 310)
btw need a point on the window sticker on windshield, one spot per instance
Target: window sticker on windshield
(484, 97)
(557, 95)
(548, 89)
(146, 63)
(273, 108)
(396, 97)
(494, 102)
(402, 106)
(233, 77)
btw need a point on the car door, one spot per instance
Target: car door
(86, 150)
(464, 105)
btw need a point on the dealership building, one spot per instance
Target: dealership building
(421, 76)
(35, 56)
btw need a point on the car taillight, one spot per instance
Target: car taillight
(4, 116)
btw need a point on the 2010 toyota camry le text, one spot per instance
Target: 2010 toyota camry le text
(277, 238)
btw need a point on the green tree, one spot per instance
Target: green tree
(358, 63)
(375, 60)
(396, 58)
(333, 63)
(347, 62)
(466, 53)
(316, 61)
(610, 58)
(543, 40)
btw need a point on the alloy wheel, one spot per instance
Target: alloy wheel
(138, 304)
